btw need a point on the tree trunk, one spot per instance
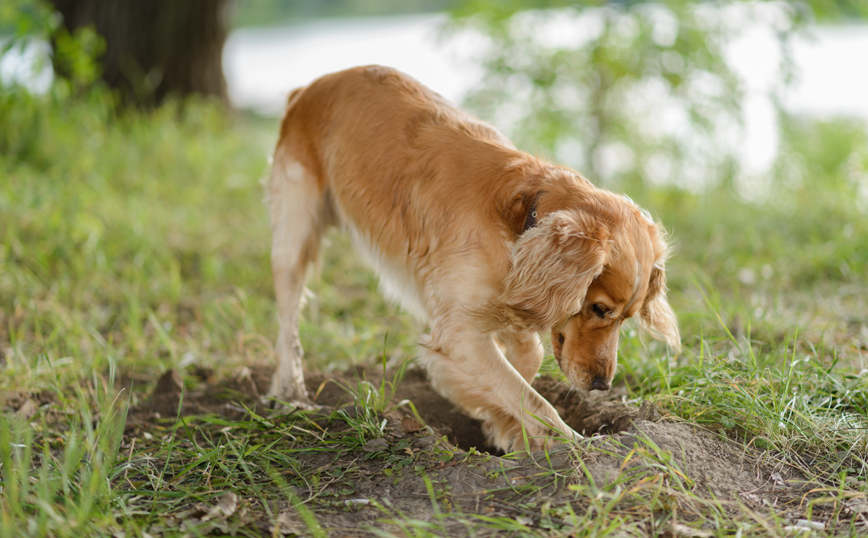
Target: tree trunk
(155, 48)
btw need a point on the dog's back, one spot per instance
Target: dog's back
(406, 173)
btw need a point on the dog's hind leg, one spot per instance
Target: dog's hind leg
(298, 217)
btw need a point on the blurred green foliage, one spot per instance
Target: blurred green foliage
(828, 148)
(25, 17)
(820, 10)
(627, 92)
(596, 86)
(29, 21)
(268, 12)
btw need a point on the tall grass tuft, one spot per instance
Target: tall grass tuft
(56, 478)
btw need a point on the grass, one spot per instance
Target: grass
(133, 245)
(56, 478)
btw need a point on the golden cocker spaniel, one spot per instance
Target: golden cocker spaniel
(488, 245)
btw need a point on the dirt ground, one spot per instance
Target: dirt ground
(626, 444)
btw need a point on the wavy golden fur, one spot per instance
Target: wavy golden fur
(438, 201)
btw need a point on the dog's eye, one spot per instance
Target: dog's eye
(561, 339)
(600, 311)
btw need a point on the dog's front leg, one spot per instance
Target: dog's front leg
(467, 368)
(524, 351)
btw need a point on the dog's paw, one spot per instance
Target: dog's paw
(543, 441)
(509, 435)
(282, 394)
(500, 432)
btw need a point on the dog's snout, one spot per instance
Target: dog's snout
(599, 384)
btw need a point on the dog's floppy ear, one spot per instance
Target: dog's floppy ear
(553, 264)
(656, 314)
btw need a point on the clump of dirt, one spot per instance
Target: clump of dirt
(591, 413)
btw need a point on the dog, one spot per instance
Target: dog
(488, 245)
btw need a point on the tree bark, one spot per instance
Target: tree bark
(155, 49)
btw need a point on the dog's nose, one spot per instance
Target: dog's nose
(600, 384)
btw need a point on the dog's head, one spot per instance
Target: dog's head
(581, 272)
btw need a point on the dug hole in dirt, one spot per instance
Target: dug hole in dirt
(588, 414)
(623, 439)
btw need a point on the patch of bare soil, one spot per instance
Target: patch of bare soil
(629, 443)
(24, 404)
